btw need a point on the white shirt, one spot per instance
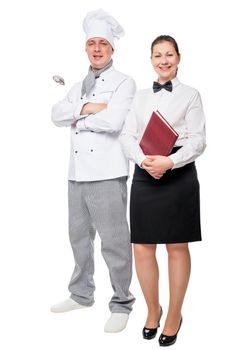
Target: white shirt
(96, 153)
(183, 110)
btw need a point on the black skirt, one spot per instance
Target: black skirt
(165, 210)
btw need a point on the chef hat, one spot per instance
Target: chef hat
(99, 24)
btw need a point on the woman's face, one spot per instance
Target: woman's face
(165, 61)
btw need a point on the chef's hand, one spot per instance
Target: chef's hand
(93, 108)
(156, 166)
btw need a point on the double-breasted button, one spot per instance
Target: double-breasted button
(76, 151)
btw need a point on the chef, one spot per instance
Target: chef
(95, 110)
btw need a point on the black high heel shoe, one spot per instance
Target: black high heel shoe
(167, 340)
(150, 333)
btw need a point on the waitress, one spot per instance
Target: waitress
(164, 206)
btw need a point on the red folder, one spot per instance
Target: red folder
(159, 136)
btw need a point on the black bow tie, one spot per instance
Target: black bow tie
(157, 87)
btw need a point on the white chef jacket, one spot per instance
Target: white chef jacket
(96, 153)
(183, 110)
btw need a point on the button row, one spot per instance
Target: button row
(78, 133)
(90, 151)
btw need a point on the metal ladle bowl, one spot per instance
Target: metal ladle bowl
(59, 79)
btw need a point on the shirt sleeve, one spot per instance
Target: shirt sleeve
(112, 118)
(129, 137)
(67, 111)
(195, 140)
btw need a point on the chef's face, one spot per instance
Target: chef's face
(165, 61)
(99, 52)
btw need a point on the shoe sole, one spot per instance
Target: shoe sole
(149, 338)
(169, 344)
(71, 309)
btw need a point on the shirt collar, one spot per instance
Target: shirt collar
(175, 82)
(106, 72)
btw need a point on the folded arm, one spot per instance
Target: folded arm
(111, 118)
(68, 111)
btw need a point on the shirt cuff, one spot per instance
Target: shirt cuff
(175, 159)
(78, 108)
(80, 125)
(140, 159)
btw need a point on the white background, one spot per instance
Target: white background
(42, 38)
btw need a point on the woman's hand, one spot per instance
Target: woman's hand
(156, 166)
(92, 108)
